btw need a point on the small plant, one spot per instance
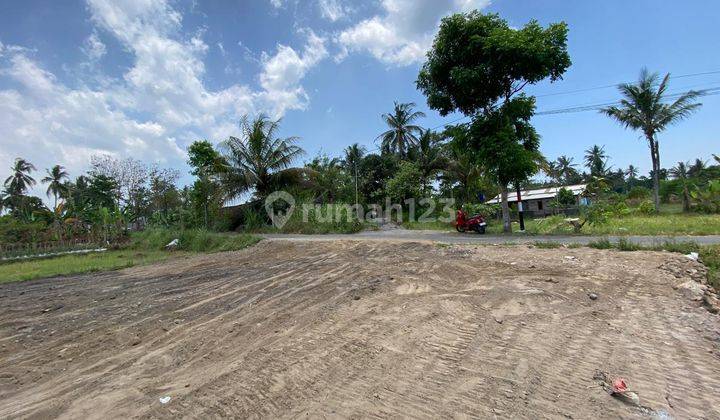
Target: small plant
(624, 244)
(647, 207)
(602, 243)
(547, 245)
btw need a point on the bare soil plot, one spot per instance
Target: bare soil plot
(362, 329)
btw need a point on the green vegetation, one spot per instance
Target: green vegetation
(644, 108)
(144, 248)
(479, 65)
(78, 264)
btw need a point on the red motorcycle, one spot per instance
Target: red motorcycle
(464, 223)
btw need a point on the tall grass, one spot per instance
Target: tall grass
(191, 240)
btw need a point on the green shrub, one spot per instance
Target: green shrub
(624, 244)
(647, 207)
(486, 210)
(638, 193)
(602, 243)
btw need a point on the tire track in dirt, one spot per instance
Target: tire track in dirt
(359, 329)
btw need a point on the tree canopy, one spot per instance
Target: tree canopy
(477, 59)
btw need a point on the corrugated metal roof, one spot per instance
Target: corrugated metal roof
(539, 194)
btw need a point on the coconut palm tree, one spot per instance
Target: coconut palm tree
(463, 170)
(596, 161)
(259, 160)
(402, 133)
(631, 172)
(644, 107)
(717, 158)
(55, 178)
(682, 173)
(353, 155)
(428, 156)
(566, 168)
(697, 168)
(19, 182)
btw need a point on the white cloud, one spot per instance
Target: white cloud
(403, 33)
(94, 48)
(155, 110)
(332, 10)
(277, 3)
(282, 73)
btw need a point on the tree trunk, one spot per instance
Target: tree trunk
(655, 155)
(507, 228)
(686, 198)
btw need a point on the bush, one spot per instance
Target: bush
(565, 198)
(405, 184)
(647, 207)
(638, 193)
(602, 243)
(486, 210)
(707, 200)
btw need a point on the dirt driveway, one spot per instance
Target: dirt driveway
(362, 329)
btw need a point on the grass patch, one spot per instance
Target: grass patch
(78, 264)
(429, 225)
(602, 243)
(191, 240)
(547, 245)
(144, 248)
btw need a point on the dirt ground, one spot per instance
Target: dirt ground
(363, 329)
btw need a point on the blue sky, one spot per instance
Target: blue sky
(144, 78)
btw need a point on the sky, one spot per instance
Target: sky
(145, 78)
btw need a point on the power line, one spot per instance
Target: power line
(711, 91)
(569, 92)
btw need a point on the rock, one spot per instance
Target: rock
(592, 296)
(712, 303)
(164, 400)
(691, 290)
(173, 245)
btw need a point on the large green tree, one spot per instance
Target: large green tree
(596, 161)
(477, 66)
(566, 169)
(20, 181)
(206, 163)
(259, 160)
(402, 132)
(645, 107)
(429, 158)
(55, 179)
(681, 173)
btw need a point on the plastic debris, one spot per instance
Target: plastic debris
(619, 385)
(693, 256)
(165, 400)
(173, 244)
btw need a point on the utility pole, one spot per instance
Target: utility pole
(520, 207)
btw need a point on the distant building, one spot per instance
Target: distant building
(537, 202)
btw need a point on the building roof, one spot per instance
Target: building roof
(539, 194)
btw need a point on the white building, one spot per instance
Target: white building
(537, 202)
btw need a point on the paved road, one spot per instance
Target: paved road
(473, 238)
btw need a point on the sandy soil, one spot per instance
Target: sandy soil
(363, 329)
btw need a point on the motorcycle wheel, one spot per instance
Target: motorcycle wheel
(480, 229)
(460, 229)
